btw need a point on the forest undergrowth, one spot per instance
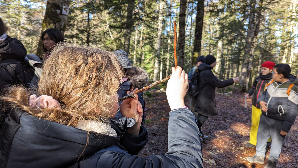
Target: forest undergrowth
(228, 133)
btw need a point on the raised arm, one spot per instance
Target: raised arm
(184, 146)
(213, 80)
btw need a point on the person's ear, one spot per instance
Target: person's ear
(281, 76)
(270, 70)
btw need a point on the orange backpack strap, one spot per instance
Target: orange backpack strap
(289, 89)
(267, 84)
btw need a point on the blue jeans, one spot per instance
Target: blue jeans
(269, 128)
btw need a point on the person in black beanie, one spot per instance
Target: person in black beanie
(210, 60)
(205, 104)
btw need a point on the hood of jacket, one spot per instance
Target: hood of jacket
(137, 76)
(11, 48)
(293, 79)
(204, 67)
(38, 142)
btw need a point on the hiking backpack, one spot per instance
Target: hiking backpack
(193, 85)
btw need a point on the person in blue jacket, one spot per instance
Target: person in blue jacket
(69, 124)
(191, 73)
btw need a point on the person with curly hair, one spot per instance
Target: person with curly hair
(70, 123)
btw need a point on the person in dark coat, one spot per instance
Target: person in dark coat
(205, 101)
(70, 124)
(13, 69)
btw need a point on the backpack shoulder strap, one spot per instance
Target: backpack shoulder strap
(267, 84)
(289, 89)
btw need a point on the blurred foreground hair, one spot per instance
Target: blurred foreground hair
(84, 81)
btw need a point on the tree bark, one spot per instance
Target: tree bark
(248, 46)
(181, 38)
(88, 28)
(128, 25)
(168, 57)
(198, 31)
(218, 56)
(158, 41)
(161, 65)
(135, 48)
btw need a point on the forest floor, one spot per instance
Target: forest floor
(228, 133)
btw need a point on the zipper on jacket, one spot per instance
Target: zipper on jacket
(271, 96)
(259, 91)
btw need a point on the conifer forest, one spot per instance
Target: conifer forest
(241, 34)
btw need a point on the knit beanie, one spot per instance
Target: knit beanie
(123, 58)
(268, 64)
(209, 59)
(201, 58)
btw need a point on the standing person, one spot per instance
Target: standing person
(71, 128)
(205, 105)
(256, 90)
(134, 77)
(50, 38)
(279, 110)
(13, 69)
(191, 73)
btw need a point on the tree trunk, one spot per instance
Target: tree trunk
(254, 41)
(128, 25)
(161, 65)
(88, 28)
(248, 46)
(292, 40)
(55, 16)
(218, 56)
(190, 35)
(198, 31)
(262, 52)
(168, 57)
(142, 46)
(181, 38)
(135, 49)
(158, 43)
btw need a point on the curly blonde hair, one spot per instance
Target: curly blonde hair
(84, 80)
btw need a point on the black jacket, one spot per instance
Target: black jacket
(30, 142)
(27, 141)
(258, 87)
(205, 101)
(13, 69)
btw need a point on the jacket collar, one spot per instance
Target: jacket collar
(266, 77)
